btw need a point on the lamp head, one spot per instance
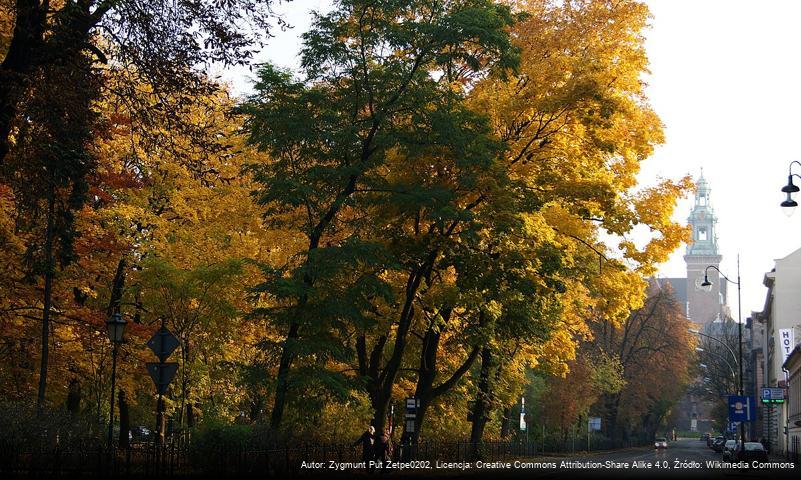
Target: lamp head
(790, 187)
(115, 327)
(789, 204)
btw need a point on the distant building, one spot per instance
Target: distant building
(707, 309)
(702, 307)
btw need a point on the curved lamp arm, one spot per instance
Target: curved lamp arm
(733, 356)
(707, 283)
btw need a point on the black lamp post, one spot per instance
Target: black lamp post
(789, 204)
(115, 327)
(707, 283)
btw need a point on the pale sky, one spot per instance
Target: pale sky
(726, 81)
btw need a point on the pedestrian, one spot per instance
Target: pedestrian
(367, 440)
(383, 450)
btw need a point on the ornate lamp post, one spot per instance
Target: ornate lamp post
(115, 327)
(789, 204)
(707, 283)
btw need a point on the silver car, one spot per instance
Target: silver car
(728, 449)
(660, 442)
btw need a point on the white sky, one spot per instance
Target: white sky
(726, 81)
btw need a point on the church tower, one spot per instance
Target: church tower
(703, 307)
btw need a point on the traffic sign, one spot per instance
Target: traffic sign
(741, 408)
(162, 374)
(772, 395)
(163, 343)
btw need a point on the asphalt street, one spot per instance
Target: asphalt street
(685, 458)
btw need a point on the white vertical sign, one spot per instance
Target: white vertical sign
(786, 342)
(523, 414)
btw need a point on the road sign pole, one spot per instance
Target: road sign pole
(162, 343)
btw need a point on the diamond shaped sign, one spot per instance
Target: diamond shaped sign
(162, 374)
(163, 343)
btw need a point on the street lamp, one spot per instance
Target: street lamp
(789, 204)
(115, 327)
(707, 283)
(731, 352)
(731, 369)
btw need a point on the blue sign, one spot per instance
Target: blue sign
(741, 409)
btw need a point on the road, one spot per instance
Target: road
(683, 459)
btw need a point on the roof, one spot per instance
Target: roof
(679, 287)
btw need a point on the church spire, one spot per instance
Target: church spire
(703, 220)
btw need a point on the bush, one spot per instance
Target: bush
(23, 430)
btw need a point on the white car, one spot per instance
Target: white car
(660, 442)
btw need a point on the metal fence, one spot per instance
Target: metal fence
(142, 460)
(173, 460)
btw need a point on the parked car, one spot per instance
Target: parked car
(660, 442)
(140, 435)
(717, 445)
(752, 451)
(728, 449)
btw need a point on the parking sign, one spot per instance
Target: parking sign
(740, 408)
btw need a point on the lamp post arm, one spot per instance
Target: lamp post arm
(790, 167)
(723, 275)
(720, 342)
(731, 369)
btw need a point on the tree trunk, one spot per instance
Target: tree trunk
(425, 391)
(28, 36)
(185, 384)
(117, 287)
(74, 397)
(505, 419)
(48, 294)
(283, 376)
(481, 407)
(125, 420)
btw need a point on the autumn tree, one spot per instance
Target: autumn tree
(567, 401)
(568, 119)
(717, 367)
(50, 80)
(159, 43)
(371, 89)
(654, 338)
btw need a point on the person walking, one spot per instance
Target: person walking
(367, 440)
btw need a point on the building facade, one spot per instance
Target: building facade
(793, 368)
(781, 320)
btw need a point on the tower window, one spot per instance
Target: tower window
(702, 200)
(702, 234)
